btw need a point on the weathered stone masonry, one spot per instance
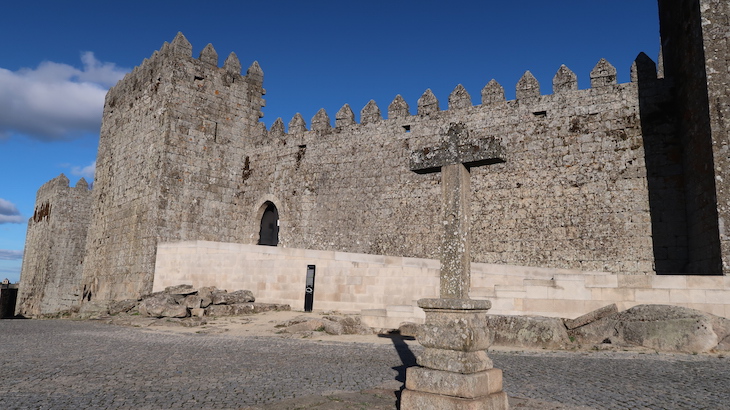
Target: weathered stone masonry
(622, 178)
(54, 247)
(171, 164)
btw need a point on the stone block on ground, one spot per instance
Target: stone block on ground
(331, 324)
(306, 326)
(270, 307)
(93, 309)
(191, 301)
(179, 299)
(218, 310)
(161, 305)
(181, 290)
(239, 309)
(239, 296)
(206, 295)
(350, 325)
(332, 327)
(408, 329)
(591, 316)
(122, 306)
(660, 327)
(528, 331)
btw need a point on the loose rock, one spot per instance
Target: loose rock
(122, 306)
(161, 305)
(661, 327)
(181, 290)
(206, 295)
(528, 331)
(93, 309)
(239, 296)
(591, 316)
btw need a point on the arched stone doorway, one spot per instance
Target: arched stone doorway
(269, 233)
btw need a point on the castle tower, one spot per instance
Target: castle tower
(695, 53)
(54, 248)
(171, 156)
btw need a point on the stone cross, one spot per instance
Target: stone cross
(454, 156)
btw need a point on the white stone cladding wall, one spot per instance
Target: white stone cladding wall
(385, 289)
(344, 281)
(54, 248)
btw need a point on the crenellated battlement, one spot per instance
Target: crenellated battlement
(60, 183)
(172, 70)
(52, 187)
(527, 89)
(180, 48)
(603, 79)
(58, 190)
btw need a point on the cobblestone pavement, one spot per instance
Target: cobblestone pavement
(69, 364)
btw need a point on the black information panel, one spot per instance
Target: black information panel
(309, 289)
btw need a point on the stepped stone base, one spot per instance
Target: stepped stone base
(457, 374)
(468, 386)
(428, 401)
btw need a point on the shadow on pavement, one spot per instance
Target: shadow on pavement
(407, 359)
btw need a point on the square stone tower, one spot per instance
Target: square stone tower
(170, 164)
(54, 248)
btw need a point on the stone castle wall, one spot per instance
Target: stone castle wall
(620, 178)
(54, 248)
(572, 192)
(183, 157)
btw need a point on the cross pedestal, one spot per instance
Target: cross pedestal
(455, 371)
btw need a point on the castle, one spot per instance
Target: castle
(627, 179)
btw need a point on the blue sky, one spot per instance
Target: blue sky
(59, 58)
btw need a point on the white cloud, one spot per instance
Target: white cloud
(105, 74)
(10, 255)
(9, 213)
(55, 101)
(87, 172)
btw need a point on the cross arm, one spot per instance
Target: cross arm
(475, 153)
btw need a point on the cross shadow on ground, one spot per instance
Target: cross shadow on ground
(407, 359)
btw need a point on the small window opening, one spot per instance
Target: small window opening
(540, 114)
(407, 128)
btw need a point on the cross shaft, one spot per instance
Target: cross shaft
(453, 157)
